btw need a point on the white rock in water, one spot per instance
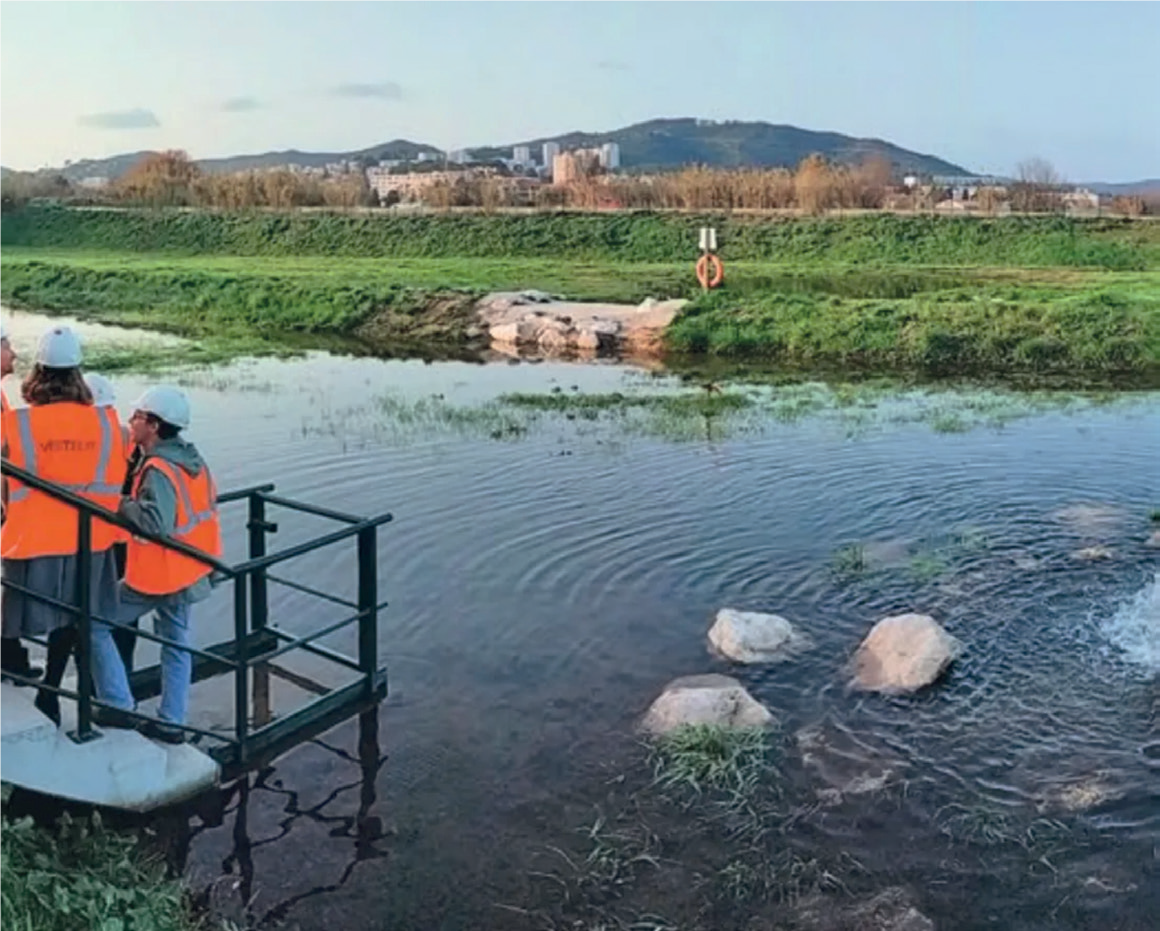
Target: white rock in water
(711, 699)
(1092, 554)
(752, 637)
(1154, 540)
(903, 654)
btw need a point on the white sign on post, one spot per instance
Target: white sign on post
(708, 239)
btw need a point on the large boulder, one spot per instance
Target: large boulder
(710, 699)
(903, 654)
(752, 637)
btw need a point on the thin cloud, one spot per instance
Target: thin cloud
(241, 105)
(388, 90)
(613, 64)
(137, 118)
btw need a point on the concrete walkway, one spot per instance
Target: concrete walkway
(119, 769)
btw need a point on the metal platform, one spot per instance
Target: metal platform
(122, 768)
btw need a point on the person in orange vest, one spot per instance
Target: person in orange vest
(62, 438)
(173, 495)
(13, 654)
(105, 396)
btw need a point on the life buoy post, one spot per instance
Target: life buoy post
(710, 268)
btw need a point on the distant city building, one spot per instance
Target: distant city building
(610, 156)
(550, 151)
(522, 155)
(94, 182)
(457, 156)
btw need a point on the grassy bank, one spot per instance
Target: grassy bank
(942, 294)
(82, 875)
(879, 239)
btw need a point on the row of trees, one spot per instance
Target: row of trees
(816, 186)
(170, 179)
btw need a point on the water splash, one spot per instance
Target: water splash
(1135, 627)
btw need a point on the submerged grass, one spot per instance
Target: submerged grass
(674, 414)
(82, 875)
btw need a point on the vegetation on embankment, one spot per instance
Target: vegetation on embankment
(1028, 293)
(875, 239)
(991, 327)
(80, 874)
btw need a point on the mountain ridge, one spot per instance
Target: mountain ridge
(658, 144)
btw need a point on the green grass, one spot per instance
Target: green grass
(918, 293)
(701, 757)
(637, 236)
(1100, 325)
(84, 876)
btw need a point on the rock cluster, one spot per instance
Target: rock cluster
(533, 321)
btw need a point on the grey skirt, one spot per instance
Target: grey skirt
(56, 577)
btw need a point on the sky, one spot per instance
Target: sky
(983, 85)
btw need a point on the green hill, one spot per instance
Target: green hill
(670, 143)
(656, 144)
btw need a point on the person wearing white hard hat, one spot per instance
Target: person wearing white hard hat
(173, 495)
(104, 398)
(61, 438)
(13, 654)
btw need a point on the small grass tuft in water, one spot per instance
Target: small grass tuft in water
(850, 559)
(704, 404)
(708, 756)
(82, 875)
(1155, 516)
(927, 566)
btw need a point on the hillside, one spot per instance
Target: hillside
(670, 143)
(664, 143)
(117, 165)
(1143, 188)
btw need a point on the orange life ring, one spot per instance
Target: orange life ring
(703, 275)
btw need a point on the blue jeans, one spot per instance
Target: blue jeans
(112, 682)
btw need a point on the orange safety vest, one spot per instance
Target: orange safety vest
(153, 569)
(76, 446)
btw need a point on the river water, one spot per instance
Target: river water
(547, 577)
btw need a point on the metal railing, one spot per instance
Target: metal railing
(255, 644)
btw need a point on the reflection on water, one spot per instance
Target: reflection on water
(259, 810)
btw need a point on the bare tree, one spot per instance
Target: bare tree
(1039, 188)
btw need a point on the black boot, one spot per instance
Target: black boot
(48, 704)
(61, 643)
(14, 659)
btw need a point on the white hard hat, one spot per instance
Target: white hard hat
(60, 348)
(167, 402)
(104, 395)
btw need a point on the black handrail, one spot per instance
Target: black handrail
(299, 549)
(247, 747)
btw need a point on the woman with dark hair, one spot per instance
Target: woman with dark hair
(62, 438)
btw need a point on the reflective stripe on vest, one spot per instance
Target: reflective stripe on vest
(39, 525)
(155, 570)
